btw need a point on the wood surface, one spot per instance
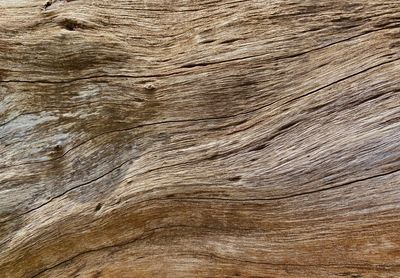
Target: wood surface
(162, 138)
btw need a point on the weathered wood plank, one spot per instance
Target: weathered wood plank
(199, 138)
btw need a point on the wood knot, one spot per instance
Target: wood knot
(47, 5)
(58, 147)
(98, 207)
(53, 4)
(236, 178)
(70, 24)
(150, 87)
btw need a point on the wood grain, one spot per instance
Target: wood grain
(199, 138)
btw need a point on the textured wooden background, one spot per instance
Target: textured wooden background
(161, 138)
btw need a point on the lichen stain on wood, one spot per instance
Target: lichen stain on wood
(199, 139)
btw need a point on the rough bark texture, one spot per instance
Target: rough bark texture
(150, 138)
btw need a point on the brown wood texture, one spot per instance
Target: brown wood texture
(161, 138)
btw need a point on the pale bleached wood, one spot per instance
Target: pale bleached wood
(199, 138)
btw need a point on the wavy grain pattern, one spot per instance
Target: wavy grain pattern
(149, 138)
